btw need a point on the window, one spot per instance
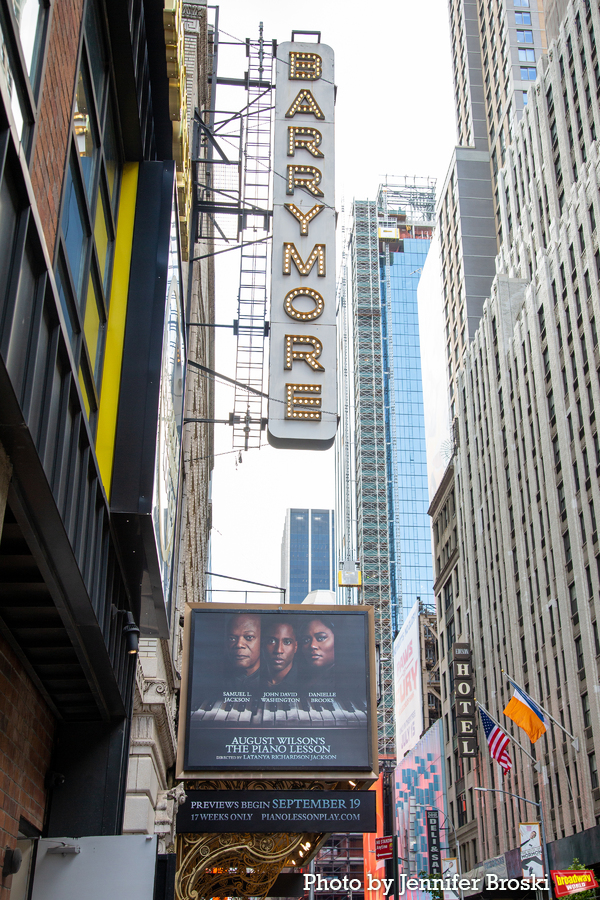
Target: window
(524, 37)
(521, 2)
(526, 54)
(528, 73)
(523, 18)
(450, 634)
(448, 594)
(524, 93)
(585, 707)
(567, 546)
(579, 653)
(593, 770)
(89, 213)
(24, 24)
(573, 598)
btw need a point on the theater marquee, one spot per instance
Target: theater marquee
(281, 690)
(302, 362)
(269, 811)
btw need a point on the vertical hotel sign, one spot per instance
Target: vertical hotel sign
(464, 693)
(302, 362)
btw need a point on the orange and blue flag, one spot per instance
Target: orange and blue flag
(525, 713)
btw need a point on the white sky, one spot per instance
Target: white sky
(394, 116)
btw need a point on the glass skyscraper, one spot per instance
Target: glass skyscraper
(307, 553)
(404, 241)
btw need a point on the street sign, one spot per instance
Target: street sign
(384, 848)
(433, 841)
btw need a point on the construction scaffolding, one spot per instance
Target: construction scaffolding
(255, 253)
(341, 856)
(345, 521)
(413, 196)
(370, 454)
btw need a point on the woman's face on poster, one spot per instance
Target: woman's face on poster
(318, 645)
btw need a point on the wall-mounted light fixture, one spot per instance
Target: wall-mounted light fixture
(132, 634)
(12, 862)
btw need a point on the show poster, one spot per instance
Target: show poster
(278, 690)
(408, 689)
(531, 850)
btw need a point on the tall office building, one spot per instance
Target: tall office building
(497, 50)
(307, 553)
(515, 518)
(383, 418)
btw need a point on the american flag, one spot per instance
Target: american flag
(497, 740)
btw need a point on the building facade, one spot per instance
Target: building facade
(307, 553)
(497, 49)
(515, 518)
(152, 798)
(95, 176)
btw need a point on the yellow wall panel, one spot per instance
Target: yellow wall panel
(113, 357)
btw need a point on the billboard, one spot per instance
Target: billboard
(277, 689)
(302, 343)
(419, 787)
(408, 686)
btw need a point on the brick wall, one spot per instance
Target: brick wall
(49, 156)
(26, 737)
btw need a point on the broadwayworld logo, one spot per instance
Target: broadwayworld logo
(490, 882)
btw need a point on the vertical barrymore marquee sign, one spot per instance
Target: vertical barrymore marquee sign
(303, 362)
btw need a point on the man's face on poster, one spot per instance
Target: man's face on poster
(242, 643)
(280, 647)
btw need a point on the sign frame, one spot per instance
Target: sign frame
(464, 694)
(408, 701)
(364, 775)
(265, 812)
(302, 412)
(434, 852)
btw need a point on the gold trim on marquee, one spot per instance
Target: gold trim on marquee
(240, 865)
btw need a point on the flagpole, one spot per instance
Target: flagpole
(574, 740)
(536, 765)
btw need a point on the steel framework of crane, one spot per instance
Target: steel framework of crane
(370, 450)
